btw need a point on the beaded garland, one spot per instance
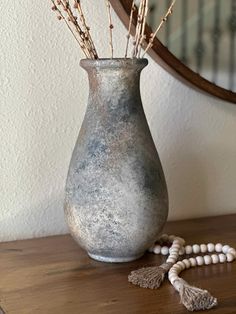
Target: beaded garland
(191, 297)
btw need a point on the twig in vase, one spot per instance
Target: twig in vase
(110, 26)
(86, 45)
(73, 20)
(86, 28)
(153, 35)
(60, 16)
(143, 36)
(129, 29)
(138, 27)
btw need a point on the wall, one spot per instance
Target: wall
(43, 98)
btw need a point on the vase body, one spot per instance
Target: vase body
(116, 197)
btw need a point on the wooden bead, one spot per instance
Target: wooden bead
(207, 259)
(232, 251)
(176, 268)
(230, 257)
(174, 249)
(181, 241)
(181, 264)
(203, 248)
(210, 247)
(196, 249)
(215, 258)
(164, 250)
(222, 258)
(193, 262)
(172, 276)
(200, 260)
(225, 249)
(218, 247)
(186, 263)
(157, 249)
(176, 246)
(174, 254)
(171, 260)
(173, 270)
(188, 249)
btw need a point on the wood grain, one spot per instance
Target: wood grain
(54, 276)
(172, 64)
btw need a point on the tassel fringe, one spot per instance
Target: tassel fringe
(149, 277)
(193, 298)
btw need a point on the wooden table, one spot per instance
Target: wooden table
(53, 275)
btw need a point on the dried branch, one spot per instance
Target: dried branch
(60, 16)
(168, 13)
(138, 28)
(81, 35)
(81, 31)
(129, 29)
(110, 26)
(86, 28)
(73, 19)
(143, 36)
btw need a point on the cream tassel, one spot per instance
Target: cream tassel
(149, 277)
(194, 299)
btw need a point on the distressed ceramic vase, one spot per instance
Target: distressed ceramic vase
(116, 197)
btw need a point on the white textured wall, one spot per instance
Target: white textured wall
(43, 95)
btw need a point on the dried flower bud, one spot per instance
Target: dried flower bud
(75, 5)
(59, 17)
(54, 8)
(59, 2)
(111, 26)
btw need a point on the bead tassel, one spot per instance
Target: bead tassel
(192, 298)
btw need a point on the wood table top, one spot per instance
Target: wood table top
(54, 275)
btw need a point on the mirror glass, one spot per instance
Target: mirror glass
(202, 35)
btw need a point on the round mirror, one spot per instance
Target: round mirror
(198, 41)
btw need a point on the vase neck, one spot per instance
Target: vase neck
(114, 77)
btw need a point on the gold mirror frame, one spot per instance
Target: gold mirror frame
(172, 64)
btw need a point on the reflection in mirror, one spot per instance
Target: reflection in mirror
(202, 34)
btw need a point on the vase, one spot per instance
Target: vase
(116, 200)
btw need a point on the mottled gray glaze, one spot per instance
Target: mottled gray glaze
(116, 197)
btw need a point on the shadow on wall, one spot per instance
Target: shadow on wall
(195, 136)
(188, 184)
(201, 173)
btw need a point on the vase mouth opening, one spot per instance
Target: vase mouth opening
(126, 63)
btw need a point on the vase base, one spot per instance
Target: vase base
(108, 259)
